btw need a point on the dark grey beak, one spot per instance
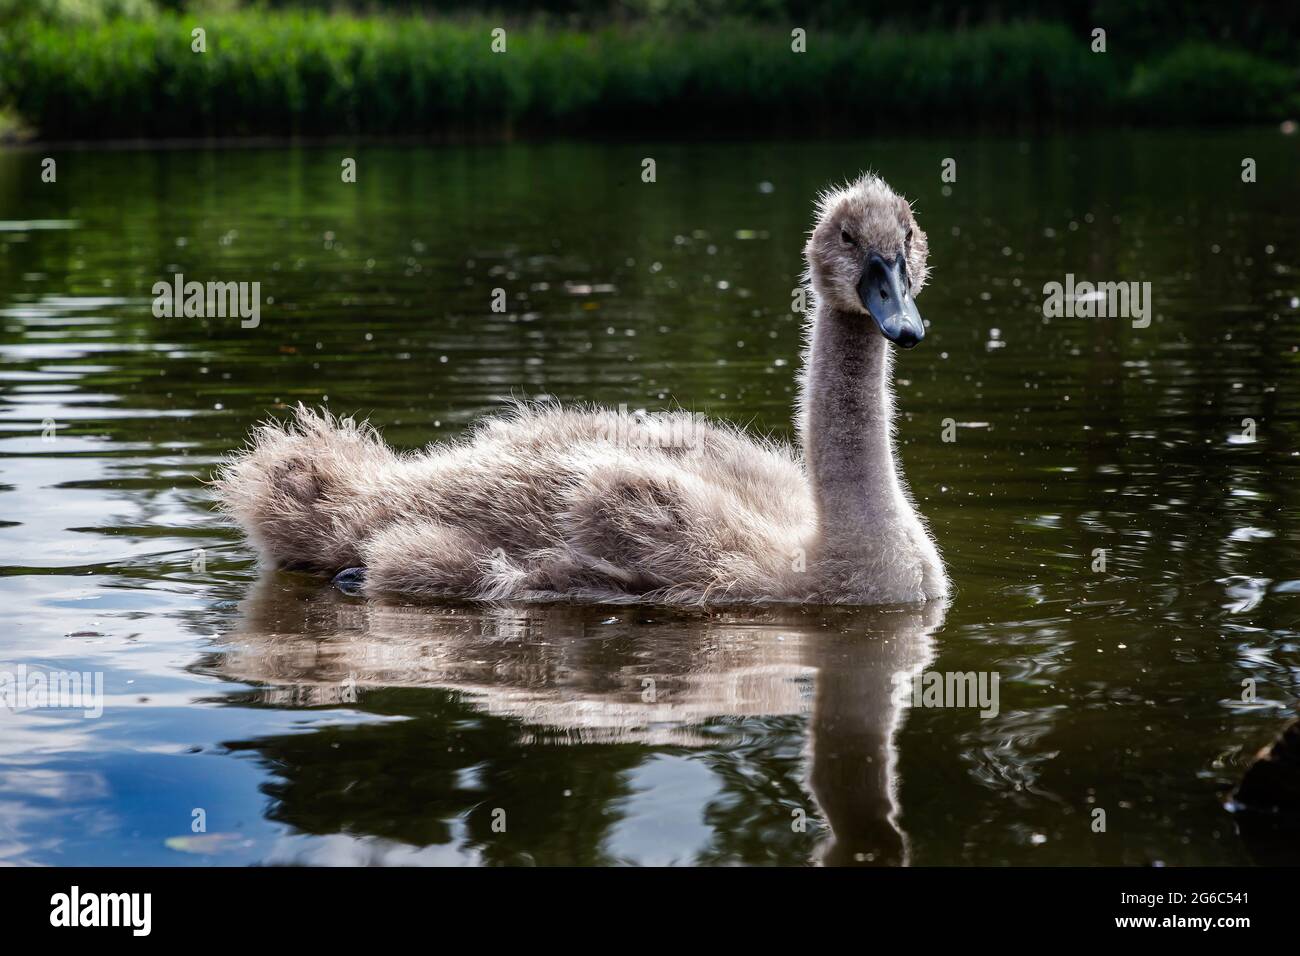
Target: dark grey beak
(885, 293)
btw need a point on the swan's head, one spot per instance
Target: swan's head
(867, 256)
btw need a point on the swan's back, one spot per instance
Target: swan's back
(537, 503)
(668, 504)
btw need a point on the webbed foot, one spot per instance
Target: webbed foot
(351, 581)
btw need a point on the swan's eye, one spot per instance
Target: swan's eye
(908, 237)
(844, 234)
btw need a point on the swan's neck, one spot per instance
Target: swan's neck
(847, 426)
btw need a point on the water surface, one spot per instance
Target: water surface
(310, 727)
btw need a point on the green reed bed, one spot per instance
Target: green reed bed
(319, 74)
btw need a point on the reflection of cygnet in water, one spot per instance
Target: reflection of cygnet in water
(863, 687)
(572, 674)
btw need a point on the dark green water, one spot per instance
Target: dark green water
(230, 691)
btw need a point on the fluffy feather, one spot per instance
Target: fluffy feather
(539, 502)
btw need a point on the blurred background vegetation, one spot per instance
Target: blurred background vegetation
(74, 69)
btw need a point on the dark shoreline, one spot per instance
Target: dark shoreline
(1037, 131)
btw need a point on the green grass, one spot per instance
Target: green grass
(1208, 83)
(316, 74)
(12, 128)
